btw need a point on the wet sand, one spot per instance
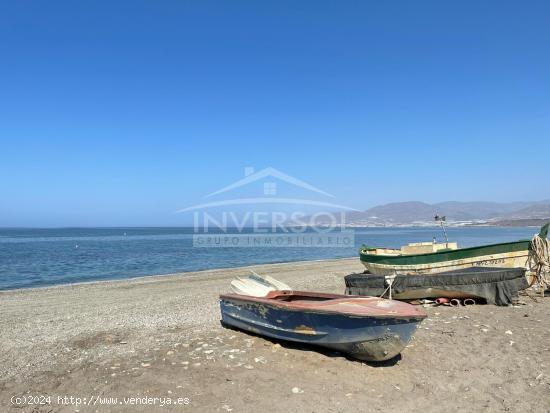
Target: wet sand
(160, 337)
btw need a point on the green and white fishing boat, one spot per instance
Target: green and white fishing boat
(431, 258)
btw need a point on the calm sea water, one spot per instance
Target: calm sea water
(39, 257)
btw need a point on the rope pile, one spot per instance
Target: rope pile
(539, 261)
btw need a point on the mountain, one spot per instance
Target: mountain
(537, 211)
(416, 213)
(462, 211)
(422, 213)
(402, 212)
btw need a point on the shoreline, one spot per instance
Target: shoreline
(154, 277)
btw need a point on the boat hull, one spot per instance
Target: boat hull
(363, 338)
(507, 255)
(498, 286)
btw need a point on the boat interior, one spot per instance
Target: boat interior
(412, 249)
(300, 298)
(290, 296)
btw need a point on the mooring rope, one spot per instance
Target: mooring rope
(538, 261)
(389, 279)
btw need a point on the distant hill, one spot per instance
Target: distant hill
(520, 222)
(407, 212)
(401, 212)
(536, 211)
(459, 213)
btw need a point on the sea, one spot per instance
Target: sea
(45, 257)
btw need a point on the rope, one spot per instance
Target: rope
(539, 261)
(389, 279)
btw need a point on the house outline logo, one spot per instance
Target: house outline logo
(270, 192)
(251, 176)
(279, 231)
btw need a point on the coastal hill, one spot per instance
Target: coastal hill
(456, 213)
(536, 211)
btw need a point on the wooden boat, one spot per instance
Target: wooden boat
(407, 260)
(366, 328)
(508, 255)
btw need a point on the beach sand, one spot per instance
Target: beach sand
(161, 337)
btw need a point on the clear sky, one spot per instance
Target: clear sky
(120, 113)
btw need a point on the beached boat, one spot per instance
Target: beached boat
(366, 328)
(419, 259)
(386, 261)
(498, 286)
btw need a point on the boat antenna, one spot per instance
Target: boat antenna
(441, 220)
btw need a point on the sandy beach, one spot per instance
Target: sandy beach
(159, 338)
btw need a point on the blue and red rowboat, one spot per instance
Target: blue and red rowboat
(366, 328)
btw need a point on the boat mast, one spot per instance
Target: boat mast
(441, 220)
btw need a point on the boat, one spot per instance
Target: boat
(498, 286)
(365, 328)
(431, 258)
(383, 261)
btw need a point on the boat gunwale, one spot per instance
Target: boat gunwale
(318, 308)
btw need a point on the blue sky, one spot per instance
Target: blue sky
(120, 113)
